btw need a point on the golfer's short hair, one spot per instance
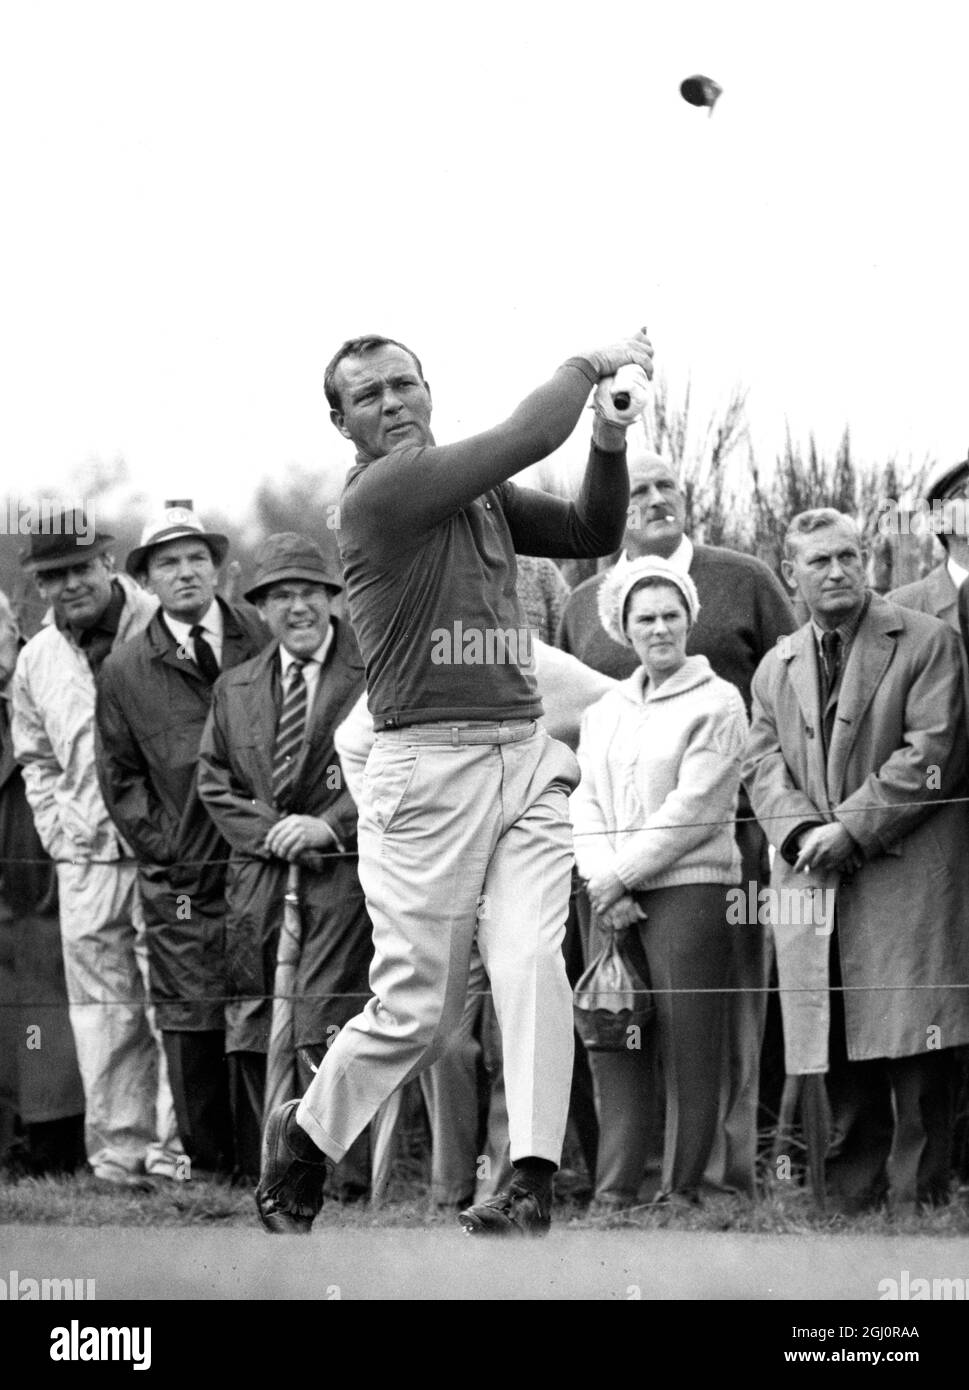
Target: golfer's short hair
(816, 519)
(359, 347)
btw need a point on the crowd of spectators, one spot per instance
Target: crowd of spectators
(183, 927)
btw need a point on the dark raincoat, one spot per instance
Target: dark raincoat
(151, 709)
(235, 781)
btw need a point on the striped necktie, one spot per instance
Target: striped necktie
(289, 734)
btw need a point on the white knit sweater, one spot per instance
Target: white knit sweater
(658, 766)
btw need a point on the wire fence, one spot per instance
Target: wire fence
(882, 808)
(364, 995)
(239, 857)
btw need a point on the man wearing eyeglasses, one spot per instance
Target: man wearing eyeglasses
(271, 780)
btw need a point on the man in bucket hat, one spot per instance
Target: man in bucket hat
(153, 700)
(270, 778)
(130, 1120)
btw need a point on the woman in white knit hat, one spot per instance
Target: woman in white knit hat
(654, 839)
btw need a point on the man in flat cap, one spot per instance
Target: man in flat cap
(271, 780)
(153, 700)
(946, 490)
(130, 1119)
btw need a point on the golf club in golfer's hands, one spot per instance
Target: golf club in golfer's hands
(624, 369)
(620, 399)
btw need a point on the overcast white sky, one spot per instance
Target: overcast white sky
(203, 199)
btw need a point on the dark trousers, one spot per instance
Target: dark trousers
(892, 1120)
(247, 1087)
(734, 1159)
(686, 949)
(199, 1080)
(582, 1104)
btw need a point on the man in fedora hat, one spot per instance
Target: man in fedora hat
(153, 700)
(130, 1120)
(271, 780)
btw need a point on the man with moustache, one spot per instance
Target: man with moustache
(743, 612)
(153, 700)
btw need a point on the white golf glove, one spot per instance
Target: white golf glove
(621, 399)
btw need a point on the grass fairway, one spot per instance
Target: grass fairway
(784, 1209)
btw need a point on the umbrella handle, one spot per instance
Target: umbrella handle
(292, 886)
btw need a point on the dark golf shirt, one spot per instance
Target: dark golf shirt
(428, 541)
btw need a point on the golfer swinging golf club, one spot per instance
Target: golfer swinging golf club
(465, 830)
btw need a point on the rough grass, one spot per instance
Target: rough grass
(786, 1208)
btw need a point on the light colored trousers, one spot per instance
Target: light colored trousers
(464, 832)
(129, 1113)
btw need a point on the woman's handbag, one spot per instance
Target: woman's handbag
(609, 1000)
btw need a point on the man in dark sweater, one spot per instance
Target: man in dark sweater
(743, 612)
(464, 831)
(743, 608)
